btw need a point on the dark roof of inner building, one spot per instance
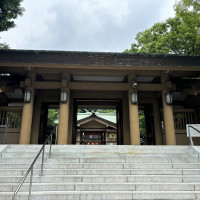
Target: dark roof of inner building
(96, 58)
(93, 116)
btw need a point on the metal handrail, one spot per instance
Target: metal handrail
(31, 168)
(190, 126)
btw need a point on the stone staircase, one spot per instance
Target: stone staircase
(102, 172)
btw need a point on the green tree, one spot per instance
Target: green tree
(53, 119)
(178, 35)
(142, 122)
(107, 110)
(9, 11)
(4, 46)
(53, 115)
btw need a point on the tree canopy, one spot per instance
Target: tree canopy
(177, 35)
(4, 46)
(9, 11)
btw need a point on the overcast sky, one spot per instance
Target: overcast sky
(84, 25)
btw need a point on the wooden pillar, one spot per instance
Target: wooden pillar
(133, 112)
(126, 127)
(69, 141)
(134, 122)
(168, 116)
(63, 128)
(63, 122)
(36, 121)
(27, 112)
(157, 122)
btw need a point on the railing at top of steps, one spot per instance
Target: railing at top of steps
(196, 134)
(49, 139)
(189, 126)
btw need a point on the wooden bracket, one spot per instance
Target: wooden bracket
(64, 83)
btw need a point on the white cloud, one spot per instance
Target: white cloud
(85, 25)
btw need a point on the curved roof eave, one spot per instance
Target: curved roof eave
(100, 60)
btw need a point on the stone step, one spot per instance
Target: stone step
(123, 166)
(19, 172)
(71, 149)
(97, 166)
(102, 172)
(82, 150)
(140, 166)
(101, 155)
(102, 187)
(105, 178)
(99, 195)
(121, 160)
(101, 160)
(149, 147)
(18, 161)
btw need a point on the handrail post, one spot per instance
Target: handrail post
(56, 139)
(50, 146)
(30, 186)
(191, 142)
(42, 165)
(15, 196)
(6, 132)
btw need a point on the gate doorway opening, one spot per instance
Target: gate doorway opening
(49, 120)
(97, 122)
(146, 123)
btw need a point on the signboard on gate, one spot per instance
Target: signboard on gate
(192, 131)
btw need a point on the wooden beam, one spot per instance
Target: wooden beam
(81, 86)
(11, 108)
(98, 86)
(44, 85)
(98, 72)
(154, 87)
(149, 87)
(47, 85)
